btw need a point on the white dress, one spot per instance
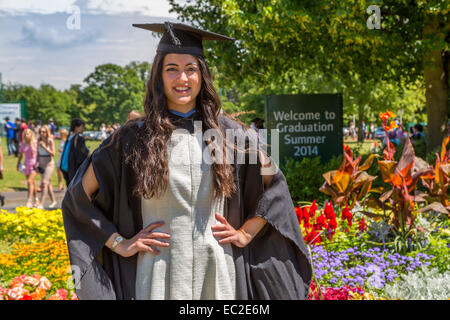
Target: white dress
(194, 266)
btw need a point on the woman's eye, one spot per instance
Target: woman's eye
(171, 69)
(192, 69)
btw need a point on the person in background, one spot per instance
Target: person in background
(37, 127)
(9, 128)
(29, 149)
(372, 131)
(30, 125)
(352, 130)
(63, 134)
(46, 151)
(23, 126)
(17, 132)
(257, 125)
(400, 134)
(417, 133)
(103, 134)
(364, 130)
(74, 152)
(109, 130)
(52, 126)
(2, 198)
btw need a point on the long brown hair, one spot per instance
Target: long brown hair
(148, 156)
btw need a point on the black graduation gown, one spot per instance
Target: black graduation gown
(275, 265)
(78, 152)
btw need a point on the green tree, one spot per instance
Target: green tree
(332, 40)
(114, 91)
(43, 103)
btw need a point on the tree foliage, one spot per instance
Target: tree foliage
(109, 93)
(292, 42)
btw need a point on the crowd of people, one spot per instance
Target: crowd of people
(397, 135)
(34, 146)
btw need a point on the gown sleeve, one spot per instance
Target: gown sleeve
(279, 263)
(88, 224)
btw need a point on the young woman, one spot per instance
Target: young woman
(46, 151)
(63, 134)
(29, 149)
(148, 216)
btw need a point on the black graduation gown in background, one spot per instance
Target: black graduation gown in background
(78, 152)
(275, 265)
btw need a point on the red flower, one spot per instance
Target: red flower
(26, 297)
(329, 211)
(332, 224)
(299, 214)
(346, 214)
(306, 217)
(362, 225)
(313, 237)
(313, 209)
(322, 221)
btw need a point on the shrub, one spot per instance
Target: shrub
(423, 284)
(304, 177)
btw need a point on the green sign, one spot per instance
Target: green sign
(309, 125)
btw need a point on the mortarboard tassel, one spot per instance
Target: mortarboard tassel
(169, 28)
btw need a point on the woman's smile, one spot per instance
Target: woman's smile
(182, 89)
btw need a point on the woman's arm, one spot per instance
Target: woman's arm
(245, 234)
(142, 241)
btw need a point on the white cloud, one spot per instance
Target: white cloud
(50, 38)
(19, 7)
(155, 8)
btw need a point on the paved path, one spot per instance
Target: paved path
(15, 199)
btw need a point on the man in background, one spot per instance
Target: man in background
(52, 126)
(9, 128)
(17, 136)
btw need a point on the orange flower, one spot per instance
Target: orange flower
(38, 294)
(392, 126)
(388, 114)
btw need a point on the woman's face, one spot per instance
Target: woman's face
(182, 80)
(27, 135)
(43, 133)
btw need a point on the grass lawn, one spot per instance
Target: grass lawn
(364, 147)
(13, 180)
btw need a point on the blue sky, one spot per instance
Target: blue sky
(36, 46)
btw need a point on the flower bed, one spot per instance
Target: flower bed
(34, 260)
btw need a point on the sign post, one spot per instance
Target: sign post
(309, 125)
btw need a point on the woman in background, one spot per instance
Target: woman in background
(29, 149)
(46, 151)
(63, 134)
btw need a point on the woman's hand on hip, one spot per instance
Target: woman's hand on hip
(228, 234)
(146, 240)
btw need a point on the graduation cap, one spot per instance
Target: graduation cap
(181, 38)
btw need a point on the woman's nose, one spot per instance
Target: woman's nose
(183, 76)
